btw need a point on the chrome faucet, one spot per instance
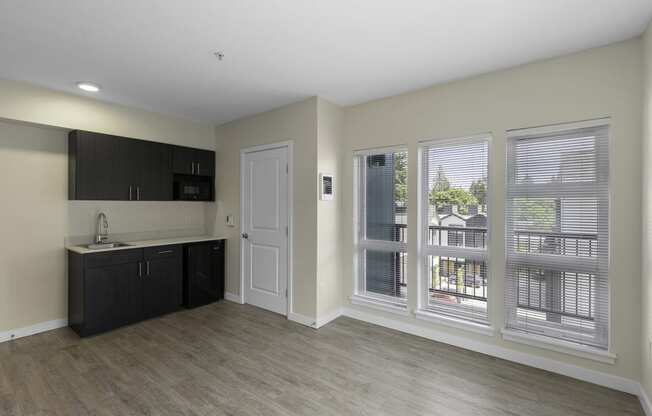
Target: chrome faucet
(102, 229)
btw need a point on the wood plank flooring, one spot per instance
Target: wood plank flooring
(229, 359)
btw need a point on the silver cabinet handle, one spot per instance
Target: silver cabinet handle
(140, 269)
(148, 268)
(130, 193)
(197, 168)
(138, 193)
(166, 252)
(193, 168)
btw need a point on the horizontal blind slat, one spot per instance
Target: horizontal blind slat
(556, 217)
(382, 221)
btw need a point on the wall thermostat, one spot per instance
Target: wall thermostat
(325, 187)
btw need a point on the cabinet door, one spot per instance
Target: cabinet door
(183, 160)
(162, 286)
(100, 171)
(200, 288)
(204, 163)
(217, 265)
(113, 297)
(155, 171)
(131, 166)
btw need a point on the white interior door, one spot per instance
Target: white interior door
(265, 228)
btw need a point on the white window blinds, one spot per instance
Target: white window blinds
(381, 248)
(455, 228)
(557, 219)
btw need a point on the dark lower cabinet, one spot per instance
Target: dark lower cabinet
(105, 290)
(204, 275)
(162, 282)
(111, 289)
(113, 297)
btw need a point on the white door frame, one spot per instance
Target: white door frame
(289, 144)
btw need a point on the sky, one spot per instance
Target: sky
(462, 163)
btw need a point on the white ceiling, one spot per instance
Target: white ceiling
(158, 55)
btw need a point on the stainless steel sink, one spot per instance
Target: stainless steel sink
(100, 246)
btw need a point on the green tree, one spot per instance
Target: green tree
(453, 196)
(536, 213)
(441, 181)
(400, 177)
(479, 190)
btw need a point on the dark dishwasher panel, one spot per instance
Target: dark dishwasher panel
(204, 273)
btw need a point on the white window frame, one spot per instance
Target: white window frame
(425, 311)
(360, 295)
(542, 340)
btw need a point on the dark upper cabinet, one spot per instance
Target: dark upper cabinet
(205, 163)
(106, 167)
(204, 275)
(189, 161)
(98, 167)
(183, 160)
(154, 171)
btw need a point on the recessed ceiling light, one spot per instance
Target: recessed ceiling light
(88, 86)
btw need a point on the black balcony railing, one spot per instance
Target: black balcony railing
(565, 244)
(451, 276)
(556, 294)
(564, 294)
(474, 237)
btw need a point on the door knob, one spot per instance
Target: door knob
(245, 235)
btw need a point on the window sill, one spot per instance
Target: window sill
(566, 347)
(380, 304)
(475, 327)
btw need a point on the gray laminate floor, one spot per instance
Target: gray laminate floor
(228, 359)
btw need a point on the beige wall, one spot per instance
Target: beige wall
(646, 276)
(134, 220)
(32, 223)
(28, 103)
(604, 82)
(329, 279)
(35, 214)
(296, 123)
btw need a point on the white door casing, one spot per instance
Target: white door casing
(265, 228)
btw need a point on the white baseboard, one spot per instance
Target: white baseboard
(302, 319)
(596, 377)
(232, 297)
(328, 317)
(645, 401)
(32, 329)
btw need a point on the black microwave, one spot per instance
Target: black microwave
(193, 188)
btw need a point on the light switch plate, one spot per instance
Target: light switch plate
(230, 220)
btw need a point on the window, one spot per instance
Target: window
(557, 214)
(455, 194)
(381, 225)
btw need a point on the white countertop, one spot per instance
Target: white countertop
(146, 243)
